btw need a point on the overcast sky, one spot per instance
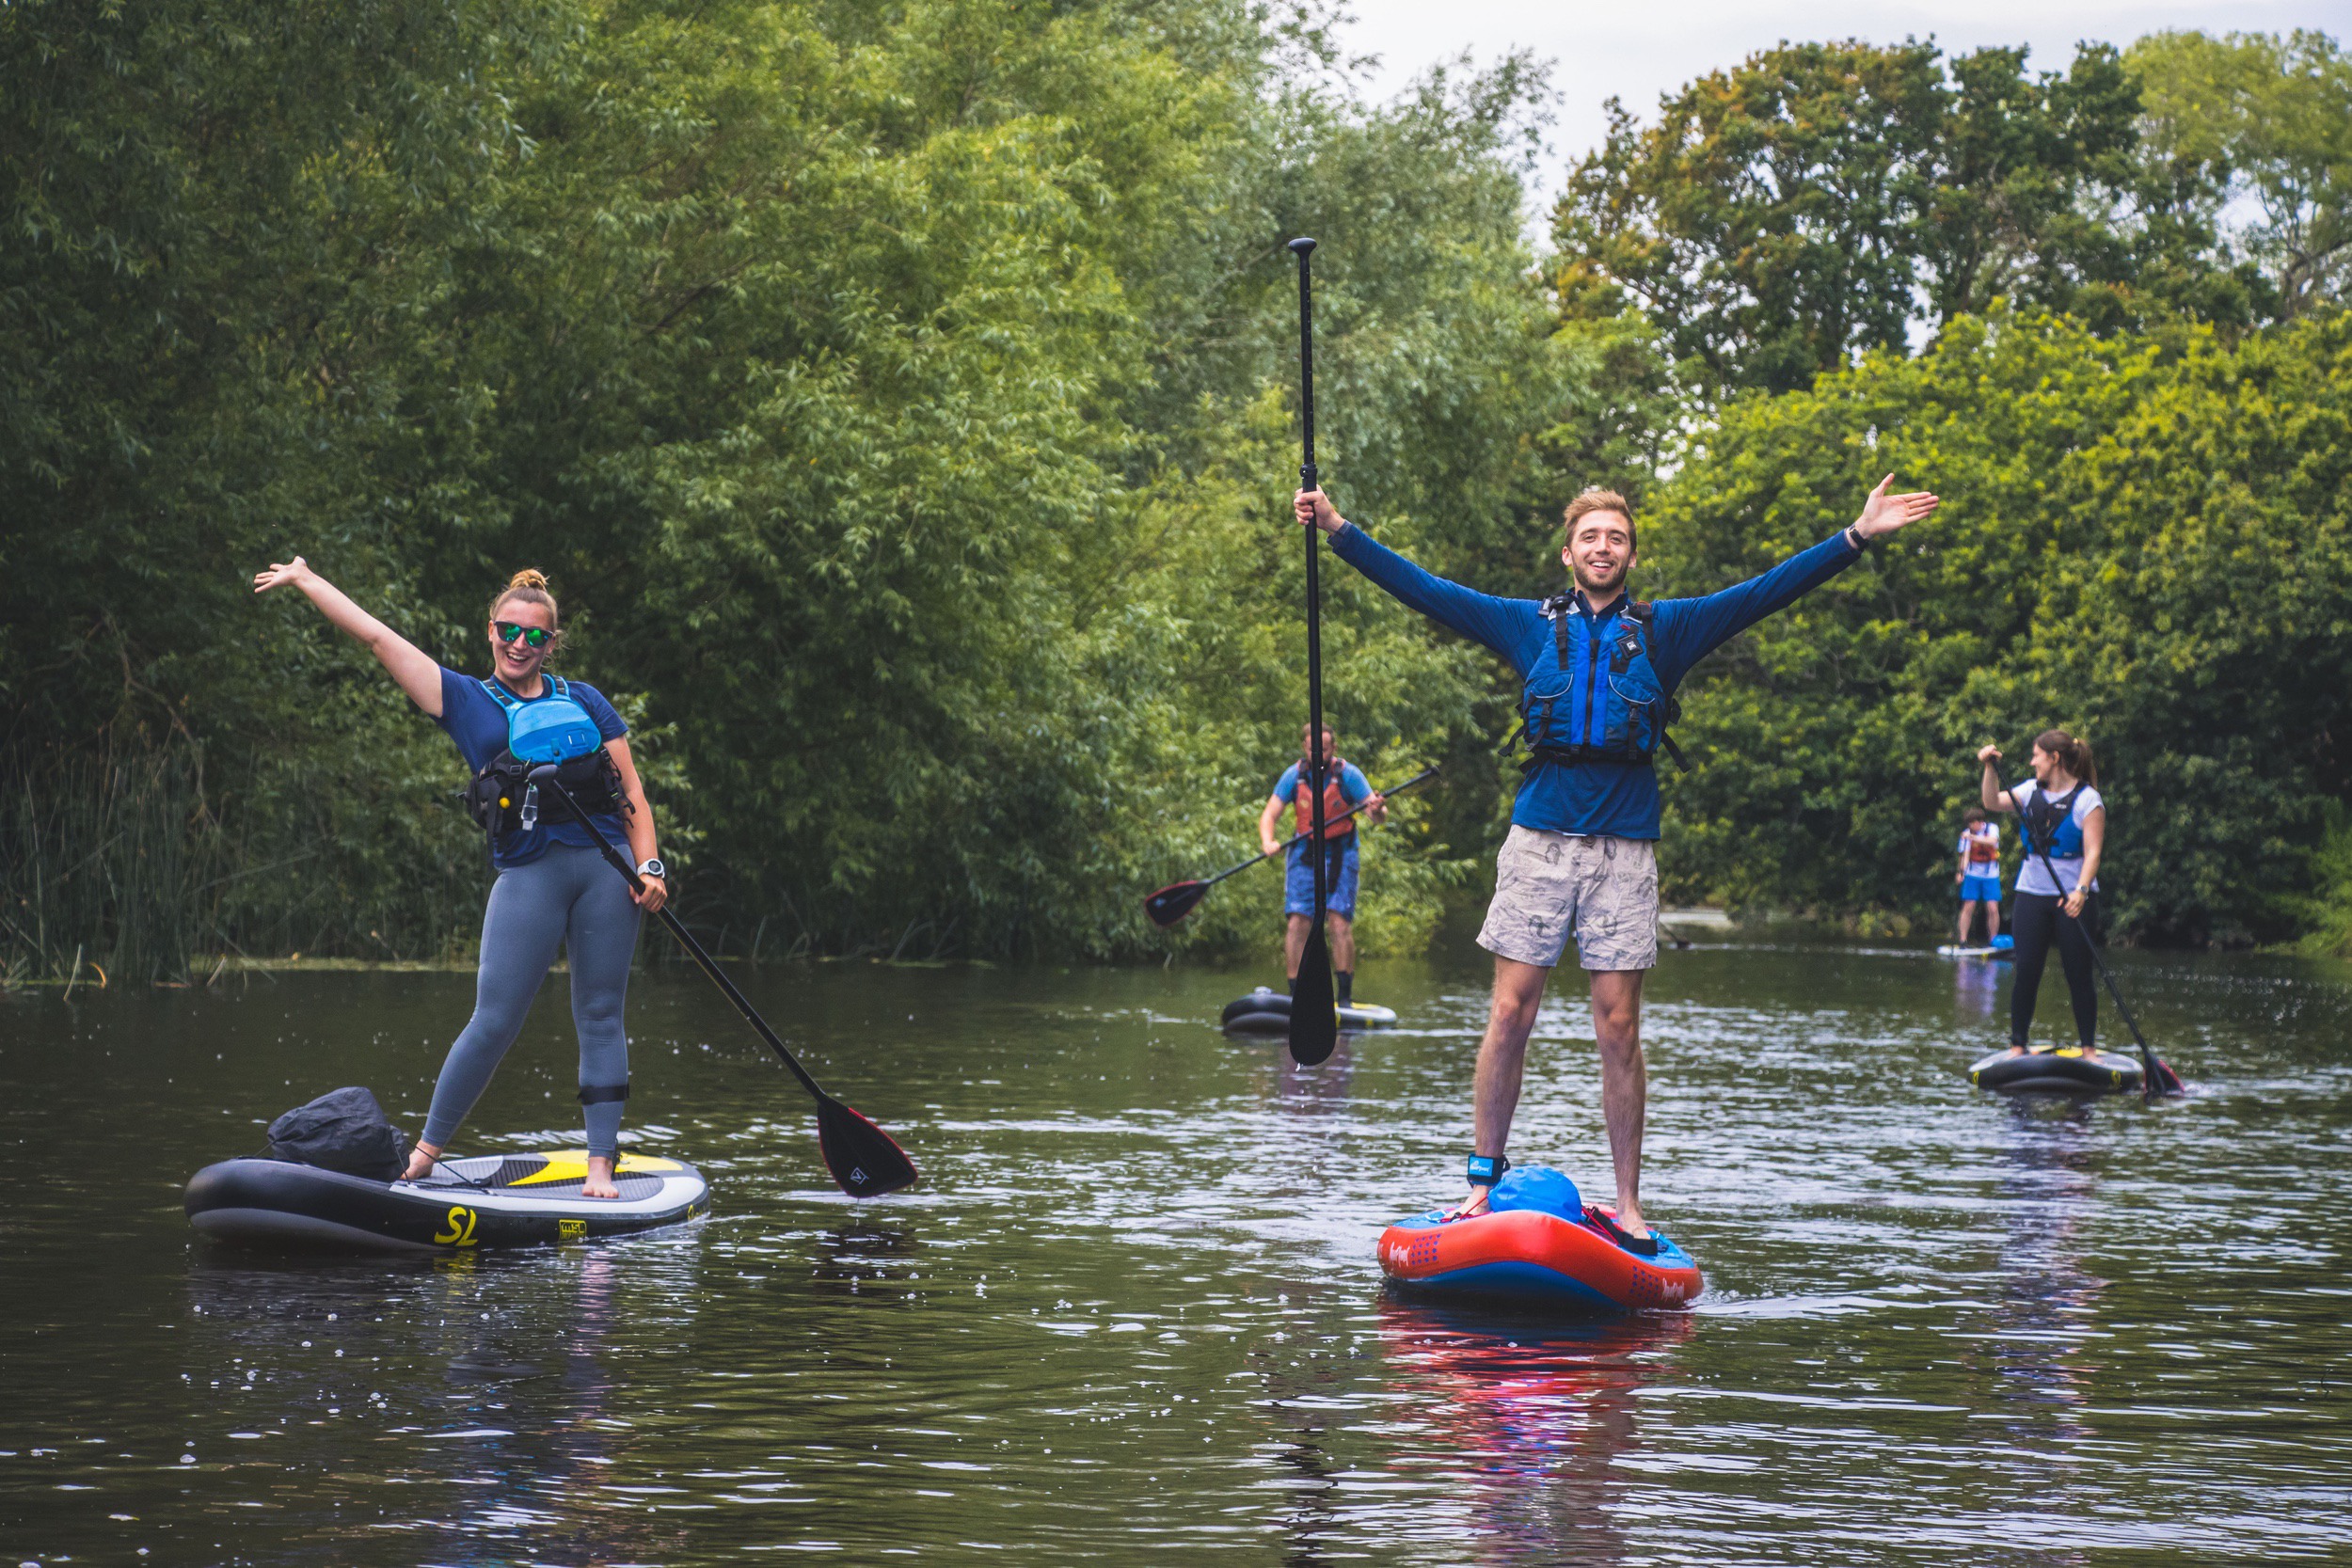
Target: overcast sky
(1638, 49)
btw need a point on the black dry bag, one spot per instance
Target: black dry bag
(345, 1130)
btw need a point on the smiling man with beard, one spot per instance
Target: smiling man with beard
(1598, 671)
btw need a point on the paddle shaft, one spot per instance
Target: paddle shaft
(1314, 1027)
(2147, 1057)
(1421, 776)
(1319, 764)
(686, 938)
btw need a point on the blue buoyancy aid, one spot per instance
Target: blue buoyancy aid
(550, 729)
(2050, 825)
(555, 729)
(1593, 697)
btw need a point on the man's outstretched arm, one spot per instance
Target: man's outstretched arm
(1483, 617)
(1689, 629)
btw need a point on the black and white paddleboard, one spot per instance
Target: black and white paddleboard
(2065, 1069)
(1266, 1011)
(488, 1200)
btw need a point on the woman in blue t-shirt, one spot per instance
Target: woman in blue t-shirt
(552, 888)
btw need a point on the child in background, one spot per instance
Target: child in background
(1979, 873)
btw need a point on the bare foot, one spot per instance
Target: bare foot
(1629, 1221)
(1470, 1207)
(420, 1162)
(599, 1180)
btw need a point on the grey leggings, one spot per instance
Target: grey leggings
(572, 896)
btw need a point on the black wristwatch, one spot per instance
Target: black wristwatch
(1855, 537)
(653, 867)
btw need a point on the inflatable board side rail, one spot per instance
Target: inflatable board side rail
(1538, 1259)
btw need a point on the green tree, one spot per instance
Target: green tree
(1764, 223)
(1821, 201)
(2274, 116)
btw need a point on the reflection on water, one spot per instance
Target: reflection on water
(1540, 1424)
(2048, 1311)
(1132, 1311)
(509, 1422)
(1976, 983)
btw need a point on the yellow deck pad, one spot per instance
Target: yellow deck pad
(571, 1164)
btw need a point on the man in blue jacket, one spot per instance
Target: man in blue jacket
(1598, 671)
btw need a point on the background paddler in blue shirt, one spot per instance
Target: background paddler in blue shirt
(1345, 786)
(1598, 673)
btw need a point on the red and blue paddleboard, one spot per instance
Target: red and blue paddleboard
(1535, 1258)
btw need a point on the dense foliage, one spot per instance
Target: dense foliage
(900, 396)
(2146, 540)
(1818, 201)
(896, 395)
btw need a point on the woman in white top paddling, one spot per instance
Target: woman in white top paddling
(2065, 821)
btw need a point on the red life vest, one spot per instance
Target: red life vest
(1336, 824)
(1985, 852)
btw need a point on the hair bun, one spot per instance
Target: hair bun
(530, 577)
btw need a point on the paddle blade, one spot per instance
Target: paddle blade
(2163, 1081)
(866, 1161)
(1174, 901)
(1314, 1012)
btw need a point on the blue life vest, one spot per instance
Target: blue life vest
(2050, 825)
(554, 729)
(503, 799)
(1591, 698)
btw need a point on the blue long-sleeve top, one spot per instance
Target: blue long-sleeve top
(1618, 799)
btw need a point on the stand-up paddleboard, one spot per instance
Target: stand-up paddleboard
(1538, 1256)
(1999, 947)
(2065, 1069)
(1268, 1012)
(489, 1200)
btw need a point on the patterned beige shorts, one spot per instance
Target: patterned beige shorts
(1549, 888)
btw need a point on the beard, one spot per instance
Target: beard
(1593, 584)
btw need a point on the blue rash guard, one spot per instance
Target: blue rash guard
(477, 723)
(1616, 799)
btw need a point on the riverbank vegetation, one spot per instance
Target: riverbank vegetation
(902, 398)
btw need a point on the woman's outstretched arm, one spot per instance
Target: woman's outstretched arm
(417, 675)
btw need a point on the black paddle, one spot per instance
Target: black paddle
(863, 1159)
(2153, 1071)
(1178, 899)
(1314, 1012)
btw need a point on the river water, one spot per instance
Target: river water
(1132, 1311)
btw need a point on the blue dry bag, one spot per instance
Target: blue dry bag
(1537, 1187)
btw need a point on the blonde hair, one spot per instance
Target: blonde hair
(531, 586)
(1594, 498)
